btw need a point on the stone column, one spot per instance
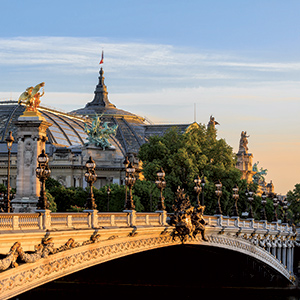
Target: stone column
(284, 253)
(289, 257)
(31, 137)
(279, 246)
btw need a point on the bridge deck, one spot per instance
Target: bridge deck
(120, 234)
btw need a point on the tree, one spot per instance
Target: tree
(147, 193)
(293, 198)
(195, 152)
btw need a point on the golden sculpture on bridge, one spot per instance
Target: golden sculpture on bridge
(31, 98)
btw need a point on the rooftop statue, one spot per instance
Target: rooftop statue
(259, 175)
(31, 97)
(98, 134)
(244, 142)
(212, 122)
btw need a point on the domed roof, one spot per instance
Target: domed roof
(101, 104)
(131, 127)
(66, 130)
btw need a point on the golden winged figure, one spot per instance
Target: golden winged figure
(31, 97)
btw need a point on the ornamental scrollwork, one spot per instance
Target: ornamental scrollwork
(42, 250)
(188, 220)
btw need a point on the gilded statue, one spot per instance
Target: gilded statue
(31, 97)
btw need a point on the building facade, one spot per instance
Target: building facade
(67, 145)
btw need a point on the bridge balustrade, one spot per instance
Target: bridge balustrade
(80, 220)
(109, 235)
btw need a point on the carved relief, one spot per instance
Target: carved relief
(28, 153)
(41, 251)
(45, 270)
(188, 220)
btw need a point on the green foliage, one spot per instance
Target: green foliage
(116, 197)
(183, 156)
(293, 198)
(147, 194)
(52, 183)
(3, 188)
(53, 206)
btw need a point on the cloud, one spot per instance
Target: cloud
(164, 65)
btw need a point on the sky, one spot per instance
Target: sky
(237, 60)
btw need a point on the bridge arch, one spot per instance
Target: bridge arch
(28, 276)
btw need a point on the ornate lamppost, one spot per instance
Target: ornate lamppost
(126, 164)
(203, 185)
(285, 207)
(275, 204)
(90, 178)
(9, 142)
(197, 188)
(130, 181)
(218, 194)
(249, 195)
(161, 184)
(43, 173)
(263, 202)
(235, 196)
(108, 193)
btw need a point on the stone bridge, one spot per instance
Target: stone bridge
(40, 247)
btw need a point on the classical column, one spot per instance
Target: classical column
(284, 253)
(31, 137)
(279, 246)
(289, 256)
(274, 247)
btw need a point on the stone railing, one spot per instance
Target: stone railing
(93, 219)
(248, 223)
(81, 220)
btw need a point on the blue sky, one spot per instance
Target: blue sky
(238, 60)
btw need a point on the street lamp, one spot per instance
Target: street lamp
(126, 164)
(108, 193)
(218, 194)
(263, 202)
(235, 196)
(9, 142)
(197, 188)
(43, 173)
(130, 181)
(203, 184)
(275, 204)
(161, 184)
(249, 195)
(90, 178)
(285, 207)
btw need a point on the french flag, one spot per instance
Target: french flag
(102, 58)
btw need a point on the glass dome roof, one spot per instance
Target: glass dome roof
(66, 130)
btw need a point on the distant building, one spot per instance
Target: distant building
(244, 158)
(250, 172)
(67, 144)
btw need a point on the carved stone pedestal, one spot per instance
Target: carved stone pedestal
(31, 137)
